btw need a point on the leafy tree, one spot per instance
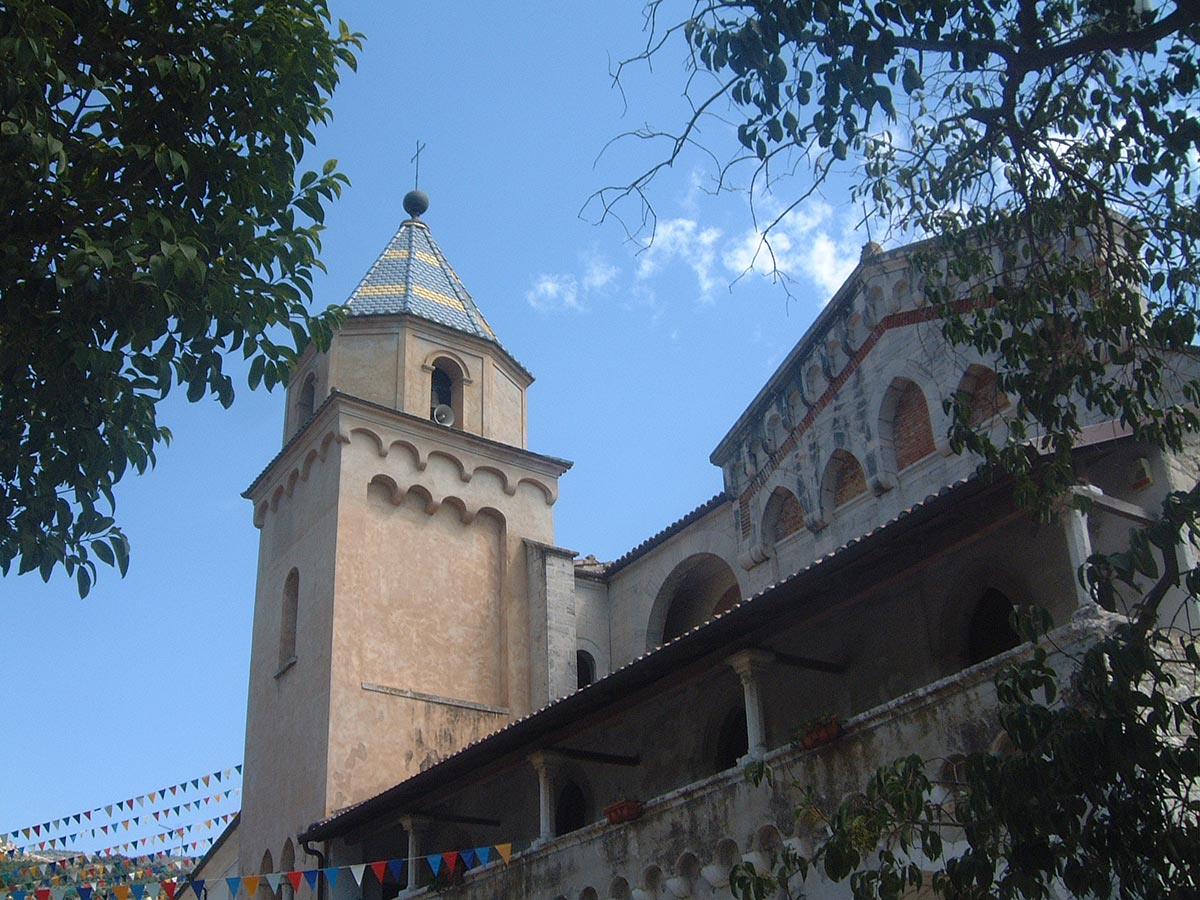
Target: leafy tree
(151, 222)
(1052, 147)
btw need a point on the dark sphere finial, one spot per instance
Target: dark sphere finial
(415, 203)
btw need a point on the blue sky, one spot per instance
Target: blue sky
(643, 359)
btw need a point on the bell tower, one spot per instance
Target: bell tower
(393, 606)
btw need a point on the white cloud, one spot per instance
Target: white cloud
(804, 243)
(685, 241)
(598, 274)
(551, 293)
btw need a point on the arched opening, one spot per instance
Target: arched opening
(904, 423)
(570, 809)
(844, 480)
(991, 631)
(732, 740)
(982, 395)
(446, 389)
(585, 668)
(287, 863)
(783, 516)
(288, 618)
(267, 867)
(696, 590)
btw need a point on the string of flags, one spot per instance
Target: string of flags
(238, 886)
(115, 827)
(44, 834)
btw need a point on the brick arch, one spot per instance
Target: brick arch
(783, 516)
(905, 430)
(844, 480)
(980, 390)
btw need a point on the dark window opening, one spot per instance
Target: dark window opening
(732, 740)
(442, 392)
(991, 631)
(570, 812)
(585, 668)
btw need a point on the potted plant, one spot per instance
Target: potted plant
(820, 731)
(623, 811)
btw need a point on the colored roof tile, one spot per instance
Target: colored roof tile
(412, 277)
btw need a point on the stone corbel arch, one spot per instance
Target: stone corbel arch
(444, 352)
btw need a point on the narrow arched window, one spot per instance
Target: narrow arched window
(991, 631)
(585, 668)
(446, 392)
(287, 622)
(570, 810)
(733, 741)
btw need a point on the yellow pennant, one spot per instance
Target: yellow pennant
(505, 851)
(250, 882)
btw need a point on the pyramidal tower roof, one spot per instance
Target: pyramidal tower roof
(412, 277)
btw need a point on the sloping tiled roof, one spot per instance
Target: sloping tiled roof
(412, 277)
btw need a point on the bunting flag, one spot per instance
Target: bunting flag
(128, 879)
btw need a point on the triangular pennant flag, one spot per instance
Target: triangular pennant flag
(294, 879)
(239, 769)
(395, 866)
(357, 872)
(120, 891)
(379, 868)
(468, 858)
(274, 879)
(18, 895)
(251, 883)
(505, 851)
(139, 890)
(435, 863)
(169, 888)
(44, 894)
(451, 860)
(85, 891)
(311, 875)
(331, 874)
(205, 779)
(58, 893)
(234, 883)
(198, 887)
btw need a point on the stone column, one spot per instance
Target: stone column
(416, 826)
(546, 768)
(1079, 545)
(750, 666)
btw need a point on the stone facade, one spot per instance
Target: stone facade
(430, 672)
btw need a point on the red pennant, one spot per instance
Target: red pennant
(42, 894)
(450, 859)
(294, 878)
(379, 868)
(169, 887)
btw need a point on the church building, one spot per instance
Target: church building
(432, 678)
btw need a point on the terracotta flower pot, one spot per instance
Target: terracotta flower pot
(623, 811)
